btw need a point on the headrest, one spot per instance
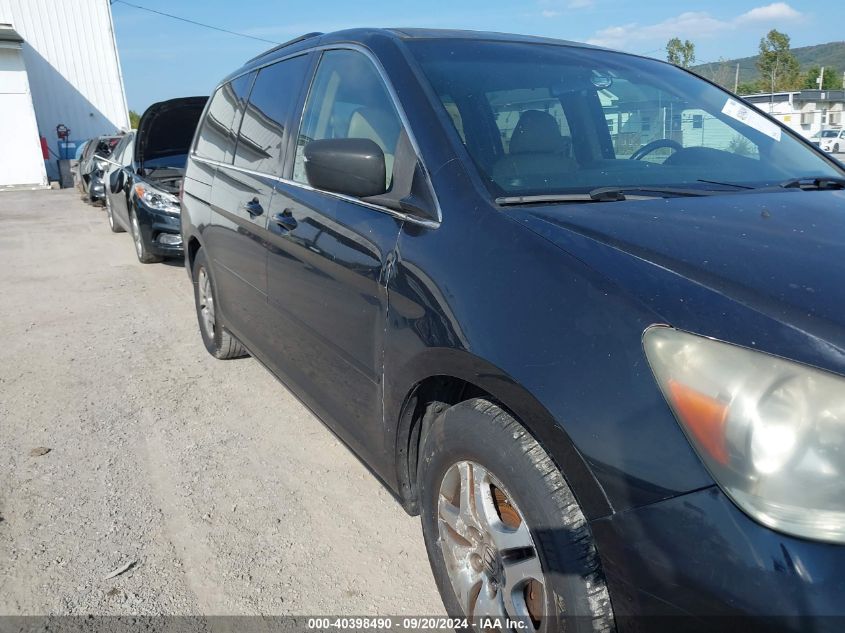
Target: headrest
(536, 132)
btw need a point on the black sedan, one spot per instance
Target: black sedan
(144, 176)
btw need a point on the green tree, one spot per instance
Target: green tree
(134, 118)
(749, 88)
(680, 53)
(832, 79)
(779, 70)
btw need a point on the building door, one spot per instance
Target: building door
(21, 161)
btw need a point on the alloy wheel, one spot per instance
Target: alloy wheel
(489, 552)
(136, 236)
(206, 302)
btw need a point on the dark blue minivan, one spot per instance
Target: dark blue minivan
(583, 311)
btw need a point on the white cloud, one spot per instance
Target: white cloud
(691, 24)
(777, 11)
(549, 13)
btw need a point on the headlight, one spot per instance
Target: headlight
(157, 199)
(770, 431)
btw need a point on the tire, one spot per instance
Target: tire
(219, 342)
(141, 248)
(530, 525)
(836, 149)
(113, 224)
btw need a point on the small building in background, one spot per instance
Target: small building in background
(65, 68)
(808, 112)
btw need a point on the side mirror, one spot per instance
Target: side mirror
(117, 179)
(352, 166)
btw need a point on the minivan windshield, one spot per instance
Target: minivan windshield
(544, 119)
(829, 134)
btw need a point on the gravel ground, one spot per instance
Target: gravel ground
(222, 490)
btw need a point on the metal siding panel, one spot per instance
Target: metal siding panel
(73, 65)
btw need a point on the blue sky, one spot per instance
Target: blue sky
(164, 58)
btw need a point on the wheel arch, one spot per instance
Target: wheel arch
(440, 378)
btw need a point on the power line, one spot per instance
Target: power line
(194, 22)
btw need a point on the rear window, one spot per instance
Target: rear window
(262, 133)
(217, 137)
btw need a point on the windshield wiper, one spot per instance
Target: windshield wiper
(725, 184)
(605, 194)
(814, 183)
(545, 199)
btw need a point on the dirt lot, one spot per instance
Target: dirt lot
(225, 492)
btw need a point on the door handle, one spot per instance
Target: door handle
(253, 207)
(285, 220)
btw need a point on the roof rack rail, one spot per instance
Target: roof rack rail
(285, 44)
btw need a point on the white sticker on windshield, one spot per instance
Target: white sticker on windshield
(748, 115)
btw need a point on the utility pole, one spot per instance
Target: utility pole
(736, 79)
(772, 93)
(820, 79)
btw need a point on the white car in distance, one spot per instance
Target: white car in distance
(832, 141)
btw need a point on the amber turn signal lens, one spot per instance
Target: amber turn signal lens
(703, 416)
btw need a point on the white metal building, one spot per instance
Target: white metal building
(18, 130)
(807, 111)
(72, 71)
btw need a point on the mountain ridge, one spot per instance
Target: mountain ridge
(831, 55)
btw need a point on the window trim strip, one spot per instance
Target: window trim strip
(431, 224)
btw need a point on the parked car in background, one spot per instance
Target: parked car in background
(831, 140)
(92, 165)
(604, 360)
(145, 174)
(74, 166)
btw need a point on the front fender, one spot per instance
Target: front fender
(489, 301)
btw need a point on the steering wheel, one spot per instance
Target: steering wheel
(648, 148)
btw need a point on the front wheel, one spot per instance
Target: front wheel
(836, 149)
(113, 225)
(506, 539)
(141, 249)
(219, 343)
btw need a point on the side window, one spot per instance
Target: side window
(273, 98)
(454, 114)
(218, 134)
(128, 151)
(348, 99)
(120, 155)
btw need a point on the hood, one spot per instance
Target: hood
(735, 266)
(167, 128)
